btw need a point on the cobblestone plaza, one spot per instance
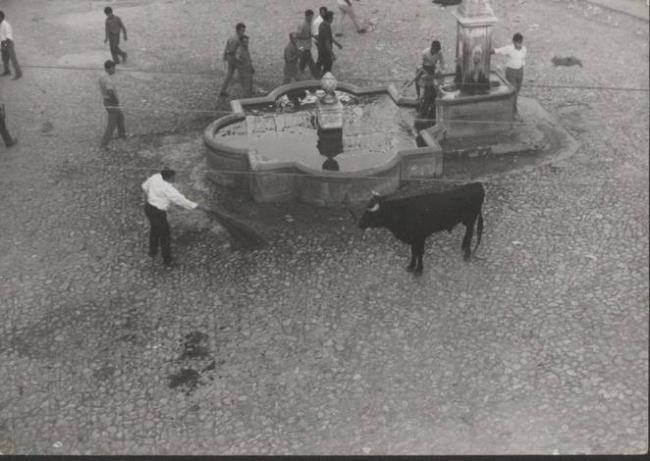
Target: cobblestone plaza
(321, 342)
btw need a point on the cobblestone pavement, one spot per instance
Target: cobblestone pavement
(321, 342)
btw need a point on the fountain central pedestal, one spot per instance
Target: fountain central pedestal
(474, 101)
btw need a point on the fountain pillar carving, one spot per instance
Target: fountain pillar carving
(329, 122)
(473, 43)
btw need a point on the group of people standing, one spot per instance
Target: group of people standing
(429, 74)
(315, 31)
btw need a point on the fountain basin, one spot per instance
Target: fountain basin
(484, 113)
(275, 157)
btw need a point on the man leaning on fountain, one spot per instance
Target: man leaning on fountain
(516, 54)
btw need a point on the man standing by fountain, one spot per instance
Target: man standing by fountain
(325, 41)
(229, 56)
(245, 67)
(433, 65)
(516, 54)
(303, 41)
(291, 56)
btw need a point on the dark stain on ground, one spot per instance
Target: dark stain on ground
(194, 346)
(104, 373)
(186, 379)
(211, 366)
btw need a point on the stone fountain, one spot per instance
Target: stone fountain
(367, 137)
(474, 100)
(275, 153)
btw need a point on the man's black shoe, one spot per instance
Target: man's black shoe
(12, 142)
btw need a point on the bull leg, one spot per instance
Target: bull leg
(419, 252)
(467, 240)
(411, 265)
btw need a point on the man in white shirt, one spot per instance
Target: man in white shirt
(159, 195)
(7, 47)
(515, 63)
(315, 26)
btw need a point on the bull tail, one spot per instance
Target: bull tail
(479, 229)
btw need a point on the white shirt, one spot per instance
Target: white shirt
(5, 31)
(516, 58)
(160, 194)
(315, 24)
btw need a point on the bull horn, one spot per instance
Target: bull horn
(374, 208)
(375, 193)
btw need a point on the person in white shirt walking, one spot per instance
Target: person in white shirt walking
(346, 8)
(8, 49)
(516, 54)
(315, 26)
(160, 193)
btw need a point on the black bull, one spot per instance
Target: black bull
(412, 219)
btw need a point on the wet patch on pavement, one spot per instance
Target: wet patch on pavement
(195, 353)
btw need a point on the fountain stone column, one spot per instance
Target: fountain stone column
(329, 122)
(475, 100)
(473, 42)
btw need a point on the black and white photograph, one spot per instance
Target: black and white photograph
(342, 227)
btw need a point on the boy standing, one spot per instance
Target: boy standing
(433, 65)
(515, 63)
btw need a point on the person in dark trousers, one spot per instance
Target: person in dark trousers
(8, 49)
(4, 132)
(303, 41)
(112, 105)
(516, 60)
(432, 66)
(291, 57)
(230, 56)
(346, 8)
(160, 193)
(325, 41)
(245, 67)
(114, 26)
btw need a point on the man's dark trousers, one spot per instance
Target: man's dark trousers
(326, 61)
(159, 233)
(306, 59)
(6, 137)
(9, 54)
(115, 120)
(114, 43)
